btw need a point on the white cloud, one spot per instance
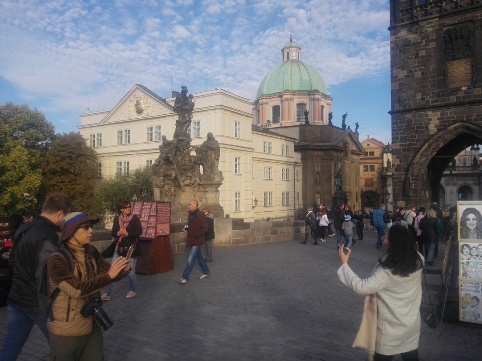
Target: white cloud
(77, 53)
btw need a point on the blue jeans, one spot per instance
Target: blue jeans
(194, 255)
(20, 322)
(430, 250)
(381, 233)
(132, 275)
(349, 240)
(340, 237)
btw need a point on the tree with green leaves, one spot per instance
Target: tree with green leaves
(25, 136)
(70, 169)
(137, 185)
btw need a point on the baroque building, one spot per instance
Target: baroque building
(277, 155)
(371, 173)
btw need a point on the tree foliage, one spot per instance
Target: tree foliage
(70, 169)
(25, 136)
(135, 186)
(20, 180)
(27, 126)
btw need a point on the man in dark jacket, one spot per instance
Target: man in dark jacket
(338, 219)
(197, 227)
(32, 241)
(209, 236)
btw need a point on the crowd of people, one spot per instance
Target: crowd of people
(59, 279)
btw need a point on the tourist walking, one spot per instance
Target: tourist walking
(310, 226)
(197, 227)
(34, 242)
(209, 236)
(380, 220)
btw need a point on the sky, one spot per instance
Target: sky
(67, 57)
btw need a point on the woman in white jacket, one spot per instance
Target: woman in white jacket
(397, 282)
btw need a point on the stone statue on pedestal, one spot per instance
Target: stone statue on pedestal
(176, 173)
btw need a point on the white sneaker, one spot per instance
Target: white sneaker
(203, 276)
(182, 281)
(130, 294)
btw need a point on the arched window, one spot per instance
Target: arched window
(300, 112)
(275, 114)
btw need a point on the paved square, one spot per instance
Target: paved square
(273, 301)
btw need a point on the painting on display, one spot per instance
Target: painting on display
(469, 224)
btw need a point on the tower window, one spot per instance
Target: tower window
(276, 113)
(300, 112)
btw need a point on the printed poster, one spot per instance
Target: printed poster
(469, 224)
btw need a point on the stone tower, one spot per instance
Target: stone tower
(436, 76)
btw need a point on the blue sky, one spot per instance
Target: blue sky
(66, 56)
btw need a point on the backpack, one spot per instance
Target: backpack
(45, 300)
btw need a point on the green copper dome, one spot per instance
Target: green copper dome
(291, 76)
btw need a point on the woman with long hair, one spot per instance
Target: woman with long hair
(471, 224)
(126, 230)
(396, 281)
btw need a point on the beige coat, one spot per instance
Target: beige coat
(398, 306)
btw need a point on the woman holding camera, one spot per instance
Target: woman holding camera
(77, 272)
(126, 230)
(397, 283)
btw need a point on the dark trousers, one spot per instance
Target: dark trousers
(77, 348)
(359, 231)
(420, 244)
(406, 356)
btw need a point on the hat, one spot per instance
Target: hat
(73, 221)
(347, 217)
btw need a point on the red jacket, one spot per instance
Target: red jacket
(197, 227)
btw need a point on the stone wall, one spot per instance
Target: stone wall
(436, 98)
(229, 232)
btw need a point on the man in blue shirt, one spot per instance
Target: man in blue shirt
(380, 220)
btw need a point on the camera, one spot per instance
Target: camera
(94, 308)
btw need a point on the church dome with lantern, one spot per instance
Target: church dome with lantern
(290, 89)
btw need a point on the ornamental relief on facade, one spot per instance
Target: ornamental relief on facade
(138, 106)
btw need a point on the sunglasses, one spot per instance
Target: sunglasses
(129, 206)
(87, 226)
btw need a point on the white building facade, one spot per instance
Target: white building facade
(260, 168)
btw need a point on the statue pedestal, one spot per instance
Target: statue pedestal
(210, 198)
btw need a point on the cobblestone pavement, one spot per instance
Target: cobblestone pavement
(274, 301)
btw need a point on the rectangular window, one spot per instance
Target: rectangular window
(237, 130)
(285, 198)
(275, 115)
(99, 139)
(285, 174)
(365, 168)
(92, 140)
(372, 168)
(196, 129)
(127, 136)
(149, 163)
(119, 137)
(99, 170)
(150, 134)
(237, 165)
(118, 168)
(285, 150)
(267, 147)
(237, 201)
(268, 199)
(126, 168)
(157, 133)
(268, 173)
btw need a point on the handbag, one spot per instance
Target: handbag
(367, 333)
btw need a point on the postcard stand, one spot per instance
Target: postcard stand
(155, 242)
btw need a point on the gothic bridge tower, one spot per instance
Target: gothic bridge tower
(436, 91)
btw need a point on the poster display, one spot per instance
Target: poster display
(469, 228)
(155, 218)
